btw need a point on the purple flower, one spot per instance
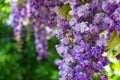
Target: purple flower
(81, 76)
(81, 27)
(103, 77)
(7, 39)
(117, 27)
(96, 51)
(86, 63)
(78, 49)
(98, 18)
(104, 61)
(98, 67)
(83, 10)
(116, 14)
(118, 56)
(65, 41)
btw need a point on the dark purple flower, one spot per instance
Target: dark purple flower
(104, 61)
(118, 56)
(98, 67)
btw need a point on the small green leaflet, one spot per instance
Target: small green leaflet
(118, 49)
(114, 43)
(111, 38)
(65, 9)
(69, 16)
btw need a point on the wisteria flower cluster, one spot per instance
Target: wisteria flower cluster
(112, 18)
(19, 19)
(80, 24)
(40, 15)
(82, 45)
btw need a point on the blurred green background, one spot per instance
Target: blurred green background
(15, 65)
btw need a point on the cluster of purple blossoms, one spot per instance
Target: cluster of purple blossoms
(43, 15)
(20, 12)
(82, 46)
(112, 18)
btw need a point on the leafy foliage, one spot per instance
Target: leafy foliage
(114, 43)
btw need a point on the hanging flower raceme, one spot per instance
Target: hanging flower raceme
(82, 46)
(20, 12)
(42, 17)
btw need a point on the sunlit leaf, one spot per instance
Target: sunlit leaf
(113, 35)
(118, 50)
(64, 9)
(115, 42)
(69, 17)
(7, 1)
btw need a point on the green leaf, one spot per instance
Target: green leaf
(118, 50)
(113, 35)
(64, 9)
(104, 33)
(69, 17)
(114, 43)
